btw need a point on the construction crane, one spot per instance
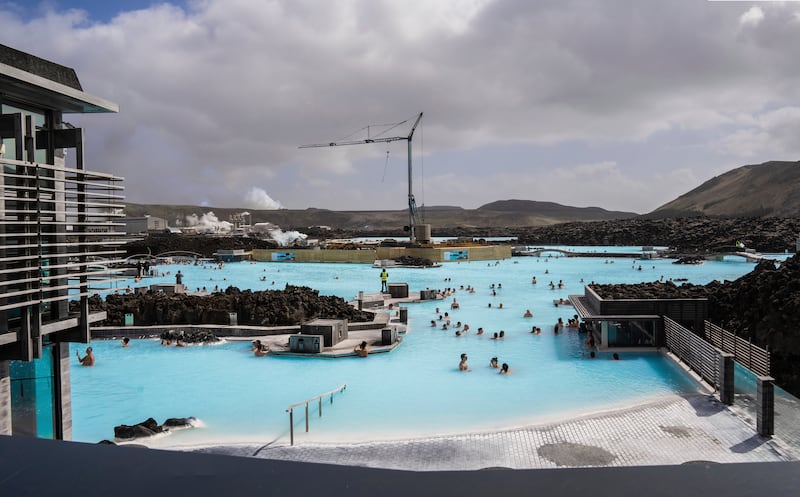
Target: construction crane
(412, 205)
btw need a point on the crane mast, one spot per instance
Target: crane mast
(412, 205)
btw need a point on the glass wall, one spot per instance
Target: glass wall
(629, 333)
(33, 396)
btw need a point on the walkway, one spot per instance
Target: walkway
(674, 430)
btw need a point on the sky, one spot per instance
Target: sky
(620, 104)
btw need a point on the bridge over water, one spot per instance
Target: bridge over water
(716, 256)
(573, 253)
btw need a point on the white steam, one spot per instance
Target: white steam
(257, 198)
(285, 238)
(208, 223)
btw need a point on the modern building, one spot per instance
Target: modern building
(635, 323)
(144, 225)
(58, 238)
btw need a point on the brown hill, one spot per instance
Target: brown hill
(511, 213)
(771, 189)
(555, 210)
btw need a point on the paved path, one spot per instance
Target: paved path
(674, 430)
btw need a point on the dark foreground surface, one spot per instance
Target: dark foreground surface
(33, 467)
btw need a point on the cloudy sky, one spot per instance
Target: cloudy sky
(622, 104)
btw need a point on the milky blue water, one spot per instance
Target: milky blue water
(416, 390)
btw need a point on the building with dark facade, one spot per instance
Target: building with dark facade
(635, 323)
(58, 239)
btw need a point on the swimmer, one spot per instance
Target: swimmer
(361, 349)
(126, 342)
(528, 314)
(88, 359)
(259, 349)
(433, 323)
(480, 331)
(536, 330)
(500, 306)
(493, 363)
(502, 334)
(463, 366)
(504, 369)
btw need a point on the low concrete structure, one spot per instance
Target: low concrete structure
(332, 330)
(370, 255)
(232, 255)
(168, 288)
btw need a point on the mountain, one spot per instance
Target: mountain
(506, 213)
(555, 210)
(771, 189)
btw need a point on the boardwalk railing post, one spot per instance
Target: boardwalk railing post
(318, 398)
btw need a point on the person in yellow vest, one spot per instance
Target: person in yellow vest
(384, 280)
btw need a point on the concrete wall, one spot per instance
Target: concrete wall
(368, 256)
(5, 399)
(61, 382)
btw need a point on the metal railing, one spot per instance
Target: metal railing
(745, 353)
(306, 402)
(701, 356)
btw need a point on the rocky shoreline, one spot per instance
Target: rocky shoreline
(292, 306)
(688, 235)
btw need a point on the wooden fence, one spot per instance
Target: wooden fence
(745, 353)
(698, 354)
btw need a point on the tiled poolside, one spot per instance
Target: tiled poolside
(669, 431)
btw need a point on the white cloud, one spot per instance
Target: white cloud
(752, 17)
(772, 134)
(216, 97)
(257, 198)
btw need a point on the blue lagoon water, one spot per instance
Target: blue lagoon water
(416, 390)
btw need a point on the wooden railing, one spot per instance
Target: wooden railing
(745, 353)
(306, 402)
(701, 356)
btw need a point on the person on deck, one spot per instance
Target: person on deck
(384, 280)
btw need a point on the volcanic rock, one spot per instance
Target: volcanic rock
(291, 306)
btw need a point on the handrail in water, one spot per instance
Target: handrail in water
(319, 397)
